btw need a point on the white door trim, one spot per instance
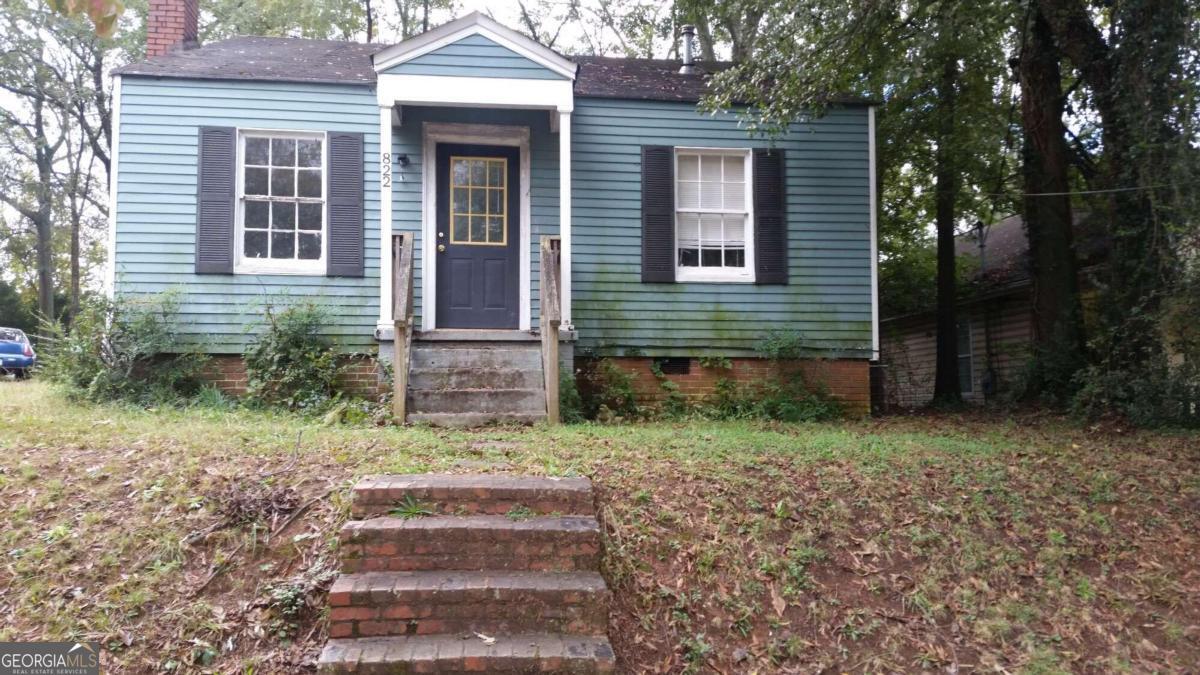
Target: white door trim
(481, 134)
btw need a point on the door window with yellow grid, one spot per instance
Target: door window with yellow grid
(479, 200)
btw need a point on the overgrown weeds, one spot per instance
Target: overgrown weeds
(868, 545)
(125, 349)
(292, 363)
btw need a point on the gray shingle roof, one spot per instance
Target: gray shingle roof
(304, 60)
(266, 58)
(653, 79)
(282, 59)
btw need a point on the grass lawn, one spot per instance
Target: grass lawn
(201, 540)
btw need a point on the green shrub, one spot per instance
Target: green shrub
(787, 396)
(570, 404)
(123, 349)
(1157, 396)
(1164, 388)
(291, 363)
(606, 390)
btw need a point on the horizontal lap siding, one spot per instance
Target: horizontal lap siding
(406, 191)
(1001, 335)
(156, 203)
(474, 56)
(828, 297)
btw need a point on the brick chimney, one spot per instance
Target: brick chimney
(172, 25)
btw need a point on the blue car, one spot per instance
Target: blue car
(16, 354)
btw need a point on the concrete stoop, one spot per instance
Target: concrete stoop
(473, 383)
(504, 576)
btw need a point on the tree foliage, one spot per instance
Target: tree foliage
(103, 13)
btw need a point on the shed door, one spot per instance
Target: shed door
(478, 236)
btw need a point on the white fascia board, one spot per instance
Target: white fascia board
(110, 270)
(495, 92)
(474, 23)
(874, 221)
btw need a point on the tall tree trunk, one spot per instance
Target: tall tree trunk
(370, 21)
(704, 32)
(1058, 324)
(1132, 74)
(42, 222)
(945, 385)
(74, 309)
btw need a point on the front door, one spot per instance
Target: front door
(478, 236)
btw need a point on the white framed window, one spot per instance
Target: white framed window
(281, 202)
(966, 353)
(713, 215)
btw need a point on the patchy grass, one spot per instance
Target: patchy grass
(203, 539)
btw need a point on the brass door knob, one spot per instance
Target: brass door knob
(441, 248)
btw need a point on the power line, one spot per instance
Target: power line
(1087, 192)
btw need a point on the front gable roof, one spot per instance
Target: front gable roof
(474, 30)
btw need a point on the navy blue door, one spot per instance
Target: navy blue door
(478, 236)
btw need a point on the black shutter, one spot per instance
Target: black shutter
(770, 218)
(658, 213)
(345, 229)
(215, 199)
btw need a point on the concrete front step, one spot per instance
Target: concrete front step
(490, 602)
(474, 494)
(530, 401)
(526, 653)
(475, 378)
(473, 420)
(543, 543)
(449, 355)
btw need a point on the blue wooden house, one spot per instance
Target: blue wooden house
(258, 168)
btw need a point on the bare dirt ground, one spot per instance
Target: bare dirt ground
(201, 540)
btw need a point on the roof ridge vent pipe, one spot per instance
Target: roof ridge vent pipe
(689, 50)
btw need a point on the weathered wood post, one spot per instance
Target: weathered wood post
(551, 319)
(401, 322)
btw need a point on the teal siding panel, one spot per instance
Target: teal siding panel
(406, 192)
(475, 56)
(828, 298)
(156, 203)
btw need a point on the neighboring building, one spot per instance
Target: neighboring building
(995, 323)
(258, 168)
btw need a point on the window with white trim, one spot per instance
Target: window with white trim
(713, 219)
(281, 200)
(966, 374)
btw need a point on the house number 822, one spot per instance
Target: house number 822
(385, 166)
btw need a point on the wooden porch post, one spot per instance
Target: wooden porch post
(402, 250)
(551, 319)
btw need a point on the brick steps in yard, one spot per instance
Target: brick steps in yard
(548, 543)
(489, 602)
(521, 653)
(503, 576)
(453, 494)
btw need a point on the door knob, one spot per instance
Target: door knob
(441, 248)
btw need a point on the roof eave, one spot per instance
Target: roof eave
(125, 72)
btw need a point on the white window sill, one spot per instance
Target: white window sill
(252, 268)
(694, 275)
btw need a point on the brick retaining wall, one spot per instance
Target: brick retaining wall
(847, 380)
(360, 375)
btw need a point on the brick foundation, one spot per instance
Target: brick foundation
(360, 375)
(847, 380)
